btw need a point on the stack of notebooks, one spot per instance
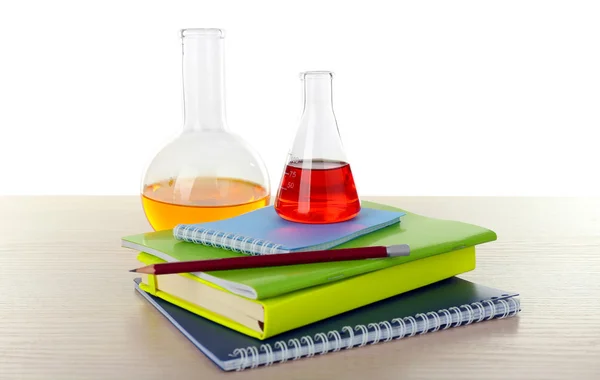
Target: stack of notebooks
(246, 318)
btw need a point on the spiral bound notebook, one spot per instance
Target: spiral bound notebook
(446, 304)
(426, 237)
(262, 231)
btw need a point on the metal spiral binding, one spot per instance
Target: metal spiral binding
(322, 337)
(338, 339)
(217, 239)
(332, 341)
(268, 352)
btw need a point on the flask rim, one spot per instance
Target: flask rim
(202, 32)
(316, 74)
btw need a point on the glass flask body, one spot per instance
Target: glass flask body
(317, 185)
(206, 173)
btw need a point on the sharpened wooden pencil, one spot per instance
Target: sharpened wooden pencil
(280, 259)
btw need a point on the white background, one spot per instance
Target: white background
(432, 97)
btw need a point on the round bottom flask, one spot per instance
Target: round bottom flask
(206, 173)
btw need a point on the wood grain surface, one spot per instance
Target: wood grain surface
(68, 309)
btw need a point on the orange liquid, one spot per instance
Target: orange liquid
(196, 200)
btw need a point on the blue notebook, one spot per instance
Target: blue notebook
(262, 231)
(446, 304)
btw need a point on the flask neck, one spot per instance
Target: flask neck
(203, 79)
(317, 137)
(318, 96)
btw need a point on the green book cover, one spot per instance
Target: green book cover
(425, 236)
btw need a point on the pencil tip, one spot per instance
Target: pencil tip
(133, 270)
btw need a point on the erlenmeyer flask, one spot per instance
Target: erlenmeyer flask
(317, 185)
(206, 173)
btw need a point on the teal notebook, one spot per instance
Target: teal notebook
(262, 231)
(425, 236)
(451, 303)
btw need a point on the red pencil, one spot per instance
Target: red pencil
(279, 259)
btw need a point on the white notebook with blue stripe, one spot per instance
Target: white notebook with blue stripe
(262, 231)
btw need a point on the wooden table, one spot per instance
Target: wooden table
(68, 309)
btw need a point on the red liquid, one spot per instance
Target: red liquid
(317, 191)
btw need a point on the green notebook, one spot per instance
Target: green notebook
(425, 236)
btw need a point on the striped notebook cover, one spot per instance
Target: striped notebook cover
(262, 231)
(446, 304)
